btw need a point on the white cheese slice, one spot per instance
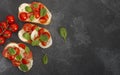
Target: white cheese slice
(20, 34)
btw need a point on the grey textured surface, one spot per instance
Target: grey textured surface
(92, 46)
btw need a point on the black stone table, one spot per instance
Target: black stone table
(92, 46)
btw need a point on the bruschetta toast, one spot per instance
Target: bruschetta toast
(35, 35)
(34, 12)
(20, 55)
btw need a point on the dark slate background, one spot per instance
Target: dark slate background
(92, 46)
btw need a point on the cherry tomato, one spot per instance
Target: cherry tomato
(41, 31)
(44, 43)
(47, 34)
(10, 19)
(33, 27)
(17, 51)
(16, 63)
(22, 45)
(25, 61)
(27, 55)
(35, 6)
(44, 19)
(36, 14)
(13, 27)
(2, 40)
(23, 16)
(1, 30)
(4, 25)
(7, 34)
(5, 53)
(27, 27)
(11, 57)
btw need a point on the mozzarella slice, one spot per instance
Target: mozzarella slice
(20, 34)
(22, 7)
(34, 34)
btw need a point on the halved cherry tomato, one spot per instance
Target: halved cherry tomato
(7, 34)
(25, 61)
(13, 27)
(23, 16)
(44, 19)
(41, 6)
(33, 28)
(37, 14)
(35, 6)
(2, 40)
(16, 63)
(17, 51)
(41, 31)
(5, 53)
(47, 34)
(27, 27)
(27, 55)
(22, 45)
(10, 19)
(4, 25)
(44, 43)
(11, 57)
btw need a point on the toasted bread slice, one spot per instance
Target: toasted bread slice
(35, 12)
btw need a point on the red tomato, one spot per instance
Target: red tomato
(10, 19)
(41, 6)
(41, 31)
(5, 53)
(36, 14)
(4, 25)
(23, 16)
(1, 30)
(17, 51)
(25, 61)
(28, 55)
(27, 27)
(7, 34)
(13, 27)
(16, 63)
(44, 19)
(2, 40)
(11, 57)
(22, 45)
(35, 6)
(47, 34)
(44, 43)
(34, 27)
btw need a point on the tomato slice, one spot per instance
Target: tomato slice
(35, 6)
(27, 55)
(27, 27)
(37, 14)
(16, 63)
(11, 57)
(23, 16)
(47, 34)
(25, 61)
(41, 31)
(44, 19)
(17, 51)
(44, 43)
(5, 53)
(22, 45)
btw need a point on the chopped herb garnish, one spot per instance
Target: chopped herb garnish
(27, 36)
(35, 42)
(44, 38)
(28, 9)
(24, 67)
(11, 51)
(32, 17)
(43, 12)
(27, 49)
(18, 57)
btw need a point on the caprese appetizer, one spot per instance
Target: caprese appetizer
(35, 35)
(35, 12)
(20, 55)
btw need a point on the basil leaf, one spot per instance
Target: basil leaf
(63, 33)
(27, 49)
(27, 36)
(43, 12)
(18, 57)
(43, 38)
(32, 17)
(35, 5)
(23, 67)
(45, 59)
(35, 43)
(11, 51)
(28, 9)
